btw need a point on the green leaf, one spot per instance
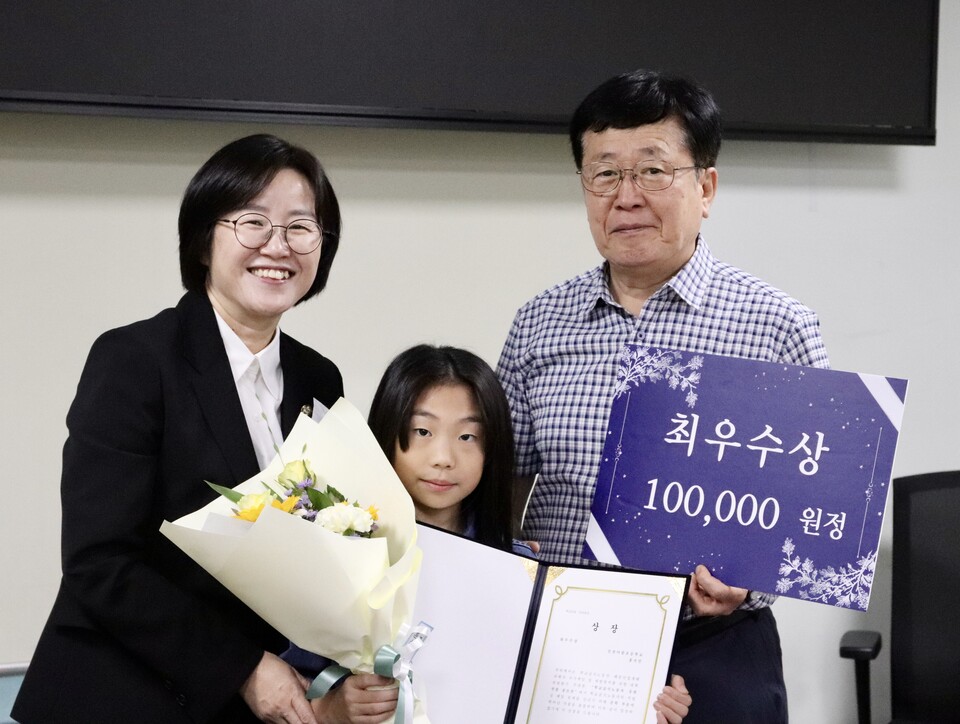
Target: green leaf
(335, 494)
(229, 493)
(318, 499)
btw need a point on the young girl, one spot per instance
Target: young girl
(443, 421)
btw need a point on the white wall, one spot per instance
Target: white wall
(446, 233)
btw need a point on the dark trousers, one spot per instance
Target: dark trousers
(733, 672)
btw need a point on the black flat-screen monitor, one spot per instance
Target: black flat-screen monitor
(840, 70)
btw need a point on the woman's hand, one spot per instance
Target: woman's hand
(709, 596)
(276, 693)
(354, 702)
(673, 703)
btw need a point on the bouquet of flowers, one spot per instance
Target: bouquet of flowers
(336, 578)
(301, 495)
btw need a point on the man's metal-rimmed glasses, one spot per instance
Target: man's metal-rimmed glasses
(254, 230)
(604, 178)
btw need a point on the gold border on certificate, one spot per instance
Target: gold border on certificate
(658, 599)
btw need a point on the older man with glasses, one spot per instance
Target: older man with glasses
(646, 146)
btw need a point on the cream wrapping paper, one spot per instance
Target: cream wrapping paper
(337, 596)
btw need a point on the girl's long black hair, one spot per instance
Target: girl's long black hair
(410, 375)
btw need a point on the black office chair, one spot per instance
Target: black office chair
(924, 640)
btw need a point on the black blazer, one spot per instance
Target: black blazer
(138, 632)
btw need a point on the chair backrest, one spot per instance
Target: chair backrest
(924, 638)
(11, 676)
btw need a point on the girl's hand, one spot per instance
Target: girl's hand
(354, 702)
(673, 703)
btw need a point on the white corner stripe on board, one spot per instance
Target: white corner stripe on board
(885, 396)
(598, 543)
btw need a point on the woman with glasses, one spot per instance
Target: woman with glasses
(202, 391)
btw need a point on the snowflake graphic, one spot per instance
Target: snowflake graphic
(847, 587)
(641, 365)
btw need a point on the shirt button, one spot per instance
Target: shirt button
(181, 700)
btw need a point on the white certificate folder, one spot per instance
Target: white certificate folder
(517, 640)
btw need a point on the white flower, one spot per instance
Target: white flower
(345, 518)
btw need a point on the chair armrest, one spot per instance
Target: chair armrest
(860, 645)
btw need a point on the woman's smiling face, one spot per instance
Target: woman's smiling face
(252, 288)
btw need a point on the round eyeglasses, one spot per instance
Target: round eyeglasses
(604, 178)
(254, 230)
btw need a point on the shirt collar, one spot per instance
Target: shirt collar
(693, 279)
(596, 291)
(240, 357)
(690, 283)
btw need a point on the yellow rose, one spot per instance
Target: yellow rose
(286, 505)
(249, 506)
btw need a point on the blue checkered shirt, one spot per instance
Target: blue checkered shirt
(559, 368)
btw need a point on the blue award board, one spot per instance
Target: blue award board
(774, 476)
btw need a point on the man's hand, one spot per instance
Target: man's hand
(710, 596)
(276, 693)
(355, 702)
(673, 703)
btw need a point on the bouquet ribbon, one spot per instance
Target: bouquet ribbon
(388, 662)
